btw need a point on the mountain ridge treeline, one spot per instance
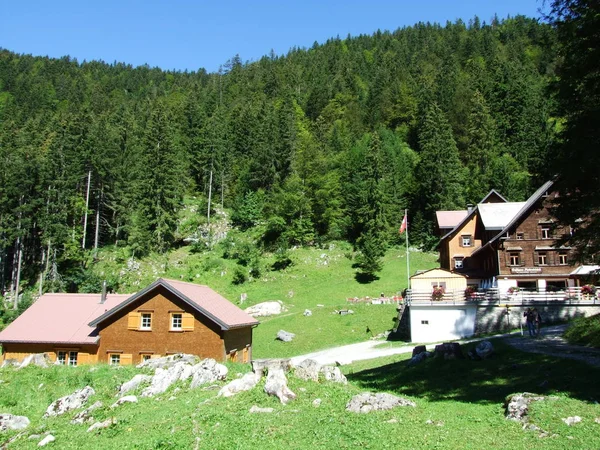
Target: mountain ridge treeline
(331, 142)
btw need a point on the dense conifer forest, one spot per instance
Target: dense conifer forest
(333, 142)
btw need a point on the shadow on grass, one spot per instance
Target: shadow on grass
(365, 278)
(488, 381)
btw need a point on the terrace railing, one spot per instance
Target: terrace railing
(573, 296)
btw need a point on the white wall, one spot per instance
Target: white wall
(444, 323)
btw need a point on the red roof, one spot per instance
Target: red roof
(449, 219)
(201, 298)
(73, 318)
(60, 318)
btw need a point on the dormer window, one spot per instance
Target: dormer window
(546, 233)
(467, 240)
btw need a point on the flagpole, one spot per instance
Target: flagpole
(407, 251)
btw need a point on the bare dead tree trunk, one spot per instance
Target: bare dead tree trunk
(97, 232)
(87, 204)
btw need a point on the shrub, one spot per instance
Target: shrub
(239, 276)
(438, 293)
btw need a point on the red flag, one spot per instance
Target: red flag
(403, 225)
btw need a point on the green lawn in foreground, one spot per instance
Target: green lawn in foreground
(461, 400)
(317, 277)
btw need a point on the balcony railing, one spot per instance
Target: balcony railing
(494, 296)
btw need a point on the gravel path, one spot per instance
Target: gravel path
(550, 342)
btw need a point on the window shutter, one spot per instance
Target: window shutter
(133, 321)
(187, 322)
(126, 359)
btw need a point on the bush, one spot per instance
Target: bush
(585, 331)
(239, 276)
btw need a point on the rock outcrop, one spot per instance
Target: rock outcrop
(266, 309)
(276, 385)
(70, 402)
(245, 383)
(367, 402)
(12, 422)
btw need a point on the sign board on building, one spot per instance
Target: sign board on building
(526, 270)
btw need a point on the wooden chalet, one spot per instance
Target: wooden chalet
(165, 318)
(511, 244)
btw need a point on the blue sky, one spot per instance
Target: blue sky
(182, 35)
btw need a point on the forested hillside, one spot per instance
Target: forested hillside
(331, 142)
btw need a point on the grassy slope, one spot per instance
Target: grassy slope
(317, 277)
(585, 331)
(462, 398)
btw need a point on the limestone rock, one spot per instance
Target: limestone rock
(266, 309)
(36, 359)
(572, 420)
(247, 382)
(334, 374)
(166, 362)
(258, 409)
(49, 438)
(163, 379)
(126, 399)
(12, 422)
(316, 402)
(70, 402)
(99, 425)
(259, 365)
(367, 402)
(10, 362)
(285, 336)
(308, 370)
(85, 415)
(207, 371)
(484, 349)
(517, 405)
(134, 383)
(276, 385)
(307, 313)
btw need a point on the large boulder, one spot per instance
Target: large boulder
(125, 399)
(70, 402)
(166, 362)
(260, 365)
(164, 378)
(517, 405)
(367, 402)
(276, 385)
(36, 359)
(449, 350)
(484, 349)
(334, 374)
(134, 383)
(245, 383)
(207, 371)
(308, 370)
(285, 336)
(266, 309)
(11, 422)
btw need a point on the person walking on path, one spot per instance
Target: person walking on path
(529, 314)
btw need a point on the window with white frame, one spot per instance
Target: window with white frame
(458, 262)
(146, 321)
(61, 358)
(562, 259)
(520, 236)
(176, 321)
(72, 358)
(115, 359)
(467, 240)
(546, 233)
(542, 259)
(514, 258)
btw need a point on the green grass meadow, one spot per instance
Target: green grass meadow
(459, 405)
(317, 277)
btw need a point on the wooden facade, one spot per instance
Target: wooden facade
(166, 318)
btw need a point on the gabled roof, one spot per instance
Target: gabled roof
(495, 216)
(526, 207)
(60, 319)
(449, 219)
(493, 195)
(200, 298)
